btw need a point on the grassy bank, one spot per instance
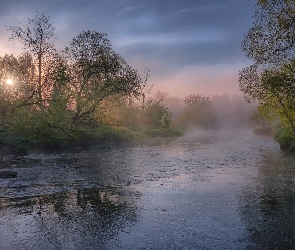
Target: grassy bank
(104, 135)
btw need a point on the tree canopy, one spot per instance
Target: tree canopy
(197, 112)
(270, 44)
(51, 93)
(97, 72)
(271, 39)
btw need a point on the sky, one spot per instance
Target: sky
(189, 46)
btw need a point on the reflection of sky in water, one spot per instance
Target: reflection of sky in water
(64, 220)
(230, 190)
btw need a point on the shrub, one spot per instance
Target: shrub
(157, 115)
(286, 138)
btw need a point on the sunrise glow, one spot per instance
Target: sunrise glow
(9, 81)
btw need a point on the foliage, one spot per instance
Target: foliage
(96, 73)
(126, 113)
(277, 94)
(20, 71)
(38, 38)
(263, 124)
(197, 112)
(269, 43)
(157, 115)
(271, 39)
(270, 79)
(173, 103)
(85, 93)
(286, 138)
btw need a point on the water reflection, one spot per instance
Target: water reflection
(178, 196)
(79, 219)
(268, 204)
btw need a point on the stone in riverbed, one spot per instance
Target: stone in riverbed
(8, 174)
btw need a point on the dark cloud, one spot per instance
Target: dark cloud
(176, 33)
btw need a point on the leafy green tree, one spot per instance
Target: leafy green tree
(270, 45)
(60, 96)
(157, 115)
(127, 114)
(15, 88)
(279, 93)
(97, 72)
(21, 118)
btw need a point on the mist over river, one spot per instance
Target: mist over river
(207, 190)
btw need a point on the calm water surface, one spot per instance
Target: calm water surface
(226, 190)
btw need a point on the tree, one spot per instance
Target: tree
(157, 115)
(15, 88)
(279, 91)
(262, 125)
(38, 38)
(270, 44)
(60, 96)
(97, 72)
(173, 103)
(271, 39)
(198, 112)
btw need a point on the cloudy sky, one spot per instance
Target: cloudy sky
(190, 46)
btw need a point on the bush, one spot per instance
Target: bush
(157, 115)
(197, 113)
(286, 138)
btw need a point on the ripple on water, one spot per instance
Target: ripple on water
(230, 190)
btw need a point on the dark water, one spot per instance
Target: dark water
(228, 190)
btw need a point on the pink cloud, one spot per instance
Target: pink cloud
(208, 80)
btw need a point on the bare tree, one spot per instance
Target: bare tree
(38, 38)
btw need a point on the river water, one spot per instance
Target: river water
(207, 190)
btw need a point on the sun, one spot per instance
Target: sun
(9, 81)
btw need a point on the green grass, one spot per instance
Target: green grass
(91, 136)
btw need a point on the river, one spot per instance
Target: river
(207, 190)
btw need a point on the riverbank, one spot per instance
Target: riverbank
(102, 136)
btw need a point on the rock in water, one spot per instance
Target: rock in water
(8, 174)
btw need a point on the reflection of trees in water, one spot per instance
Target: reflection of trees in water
(78, 219)
(268, 206)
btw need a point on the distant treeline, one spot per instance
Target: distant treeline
(219, 111)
